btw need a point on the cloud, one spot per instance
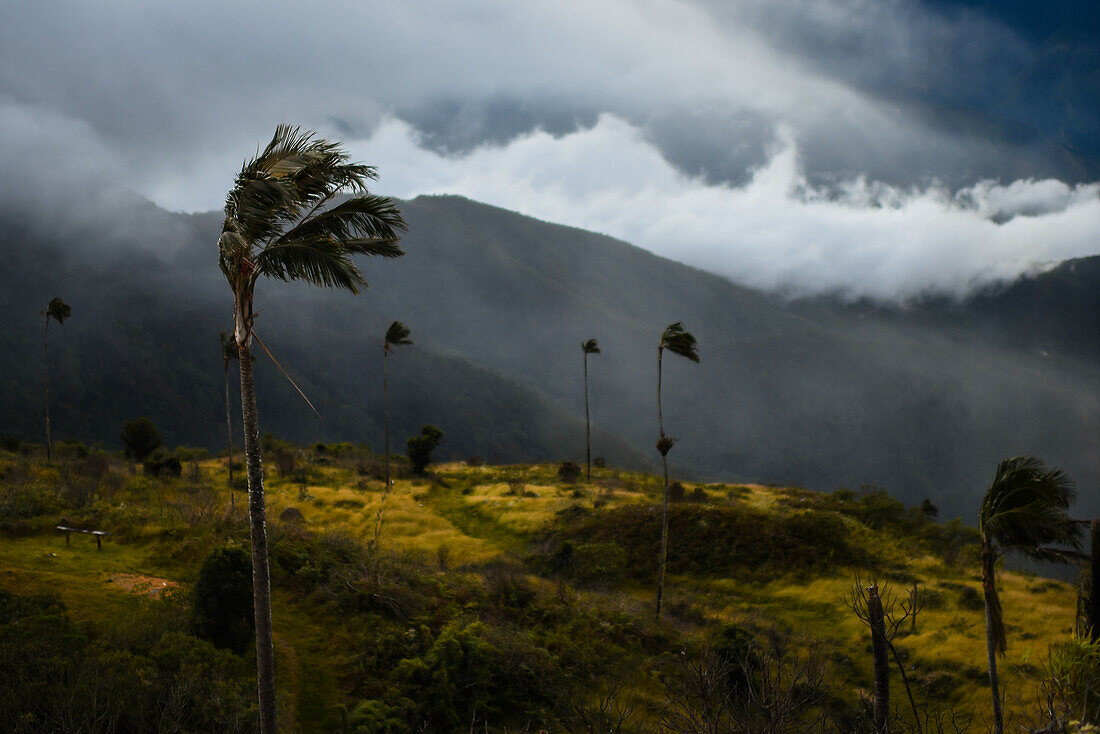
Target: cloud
(777, 231)
(181, 93)
(653, 120)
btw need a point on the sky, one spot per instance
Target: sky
(868, 148)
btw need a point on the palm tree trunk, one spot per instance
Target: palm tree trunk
(386, 407)
(660, 416)
(261, 574)
(587, 423)
(46, 349)
(664, 506)
(1094, 593)
(877, 620)
(664, 543)
(228, 437)
(988, 580)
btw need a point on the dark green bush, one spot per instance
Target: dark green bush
(569, 472)
(141, 675)
(162, 465)
(676, 492)
(419, 448)
(714, 539)
(222, 606)
(140, 438)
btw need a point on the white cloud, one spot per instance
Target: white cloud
(776, 232)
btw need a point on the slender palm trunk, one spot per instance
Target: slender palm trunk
(228, 437)
(664, 543)
(1094, 593)
(877, 619)
(587, 423)
(386, 408)
(660, 416)
(988, 560)
(261, 575)
(46, 349)
(664, 506)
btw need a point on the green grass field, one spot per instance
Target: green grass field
(460, 529)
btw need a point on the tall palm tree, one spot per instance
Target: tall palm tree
(397, 335)
(280, 223)
(589, 347)
(1024, 510)
(678, 341)
(57, 310)
(229, 354)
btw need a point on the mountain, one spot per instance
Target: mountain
(921, 400)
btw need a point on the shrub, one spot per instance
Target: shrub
(699, 495)
(676, 492)
(569, 472)
(140, 438)
(420, 447)
(710, 538)
(222, 611)
(161, 465)
(10, 443)
(70, 449)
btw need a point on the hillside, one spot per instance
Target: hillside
(498, 595)
(920, 400)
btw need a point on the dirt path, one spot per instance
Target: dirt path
(150, 586)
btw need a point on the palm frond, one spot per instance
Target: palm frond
(677, 340)
(590, 347)
(229, 347)
(397, 335)
(1024, 509)
(322, 262)
(370, 218)
(58, 310)
(276, 224)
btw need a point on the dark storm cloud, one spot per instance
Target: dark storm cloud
(167, 99)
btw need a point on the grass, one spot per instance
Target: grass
(486, 514)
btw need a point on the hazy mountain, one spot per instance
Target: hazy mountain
(922, 400)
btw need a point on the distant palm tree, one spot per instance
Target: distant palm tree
(589, 347)
(678, 341)
(229, 354)
(397, 335)
(1024, 509)
(278, 224)
(59, 311)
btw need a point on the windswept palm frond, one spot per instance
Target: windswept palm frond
(320, 262)
(1024, 509)
(371, 217)
(677, 340)
(229, 348)
(58, 310)
(276, 224)
(397, 335)
(590, 347)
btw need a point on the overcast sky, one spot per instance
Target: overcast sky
(868, 147)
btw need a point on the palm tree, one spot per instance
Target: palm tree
(59, 311)
(279, 224)
(1024, 509)
(397, 335)
(678, 341)
(589, 347)
(229, 353)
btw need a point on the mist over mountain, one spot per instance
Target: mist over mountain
(921, 400)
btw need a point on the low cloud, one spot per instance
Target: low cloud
(777, 232)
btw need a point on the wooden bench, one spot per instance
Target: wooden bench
(97, 533)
